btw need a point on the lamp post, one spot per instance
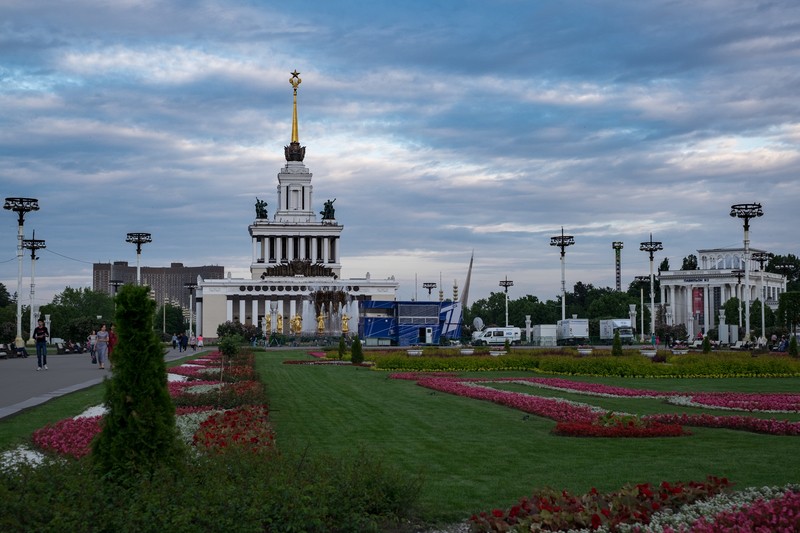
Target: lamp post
(739, 273)
(762, 257)
(632, 315)
(47, 325)
(651, 247)
(33, 245)
(746, 212)
(562, 241)
(506, 283)
(138, 239)
(20, 206)
(617, 246)
(642, 280)
(191, 286)
(429, 285)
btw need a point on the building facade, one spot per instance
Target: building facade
(695, 297)
(295, 284)
(166, 283)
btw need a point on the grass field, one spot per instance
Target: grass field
(475, 455)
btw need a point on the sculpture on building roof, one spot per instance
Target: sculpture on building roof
(328, 211)
(294, 152)
(261, 208)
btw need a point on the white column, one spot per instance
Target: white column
(198, 317)
(689, 315)
(313, 249)
(255, 249)
(325, 249)
(706, 308)
(278, 248)
(242, 309)
(229, 309)
(254, 312)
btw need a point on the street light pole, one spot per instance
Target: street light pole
(429, 285)
(191, 286)
(506, 283)
(762, 257)
(651, 246)
(738, 274)
(562, 241)
(21, 206)
(746, 212)
(642, 280)
(33, 245)
(138, 239)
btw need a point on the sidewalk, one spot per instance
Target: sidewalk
(22, 386)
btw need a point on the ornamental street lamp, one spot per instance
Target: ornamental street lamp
(562, 241)
(746, 212)
(20, 206)
(762, 257)
(506, 283)
(642, 280)
(429, 285)
(33, 245)
(617, 246)
(138, 239)
(651, 247)
(191, 286)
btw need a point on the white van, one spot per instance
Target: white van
(495, 336)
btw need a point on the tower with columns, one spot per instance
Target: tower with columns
(295, 271)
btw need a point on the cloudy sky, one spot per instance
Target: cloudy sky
(439, 127)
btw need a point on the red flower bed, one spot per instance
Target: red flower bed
(550, 510)
(777, 515)
(246, 427)
(71, 436)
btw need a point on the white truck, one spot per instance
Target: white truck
(614, 325)
(544, 335)
(572, 331)
(497, 336)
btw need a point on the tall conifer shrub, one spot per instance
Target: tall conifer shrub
(616, 347)
(356, 355)
(139, 428)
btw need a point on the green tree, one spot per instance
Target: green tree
(706, 344)
(789, 266)
(731, 308)
(793, 346)
(169, 319)
(610, 305)
(72, 304)
(5, 298)
(664, 265)
(689, 262)
(356, 353)
(139, 429)
(342, 348)
(789, 309)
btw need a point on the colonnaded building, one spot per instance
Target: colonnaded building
(695, 297)
(295, 285)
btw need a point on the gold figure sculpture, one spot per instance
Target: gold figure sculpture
(321, 323)
(268, 324)
(345, 323)
(280, 323)
(297, 324)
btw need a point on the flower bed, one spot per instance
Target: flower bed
(616, 425)
(244, 427)
(71, 436)
(549, 510)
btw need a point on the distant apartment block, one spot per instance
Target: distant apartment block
(164, 282)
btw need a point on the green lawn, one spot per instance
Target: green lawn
(475, 455)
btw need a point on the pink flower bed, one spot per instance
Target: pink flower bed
(780, 515)
(71, 436)
(784, 402)
(745, 423)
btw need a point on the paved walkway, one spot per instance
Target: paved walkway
(22, 386)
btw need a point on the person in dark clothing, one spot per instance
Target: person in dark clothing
(40, 334)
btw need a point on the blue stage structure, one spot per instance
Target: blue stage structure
(390, 323)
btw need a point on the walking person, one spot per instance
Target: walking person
(40, 334)
(91, 342)
(193, 343)
(101, 348)
(174, 340)
(184, 342)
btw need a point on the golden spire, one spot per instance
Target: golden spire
(295, 81)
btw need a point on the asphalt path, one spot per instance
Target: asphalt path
(22, 386)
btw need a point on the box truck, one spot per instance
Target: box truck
(572, 331)
(614, 325)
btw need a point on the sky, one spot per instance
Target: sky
(442, 129)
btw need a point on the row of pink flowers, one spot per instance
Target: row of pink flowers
(781, 515)
(71, 436)
(562, 410)
(763, 402)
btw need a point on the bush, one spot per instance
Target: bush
(342, 348)
(616, 348)
(229, 345)
(793, 346)
(234, 491)
(356, 354)
(706, 344)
